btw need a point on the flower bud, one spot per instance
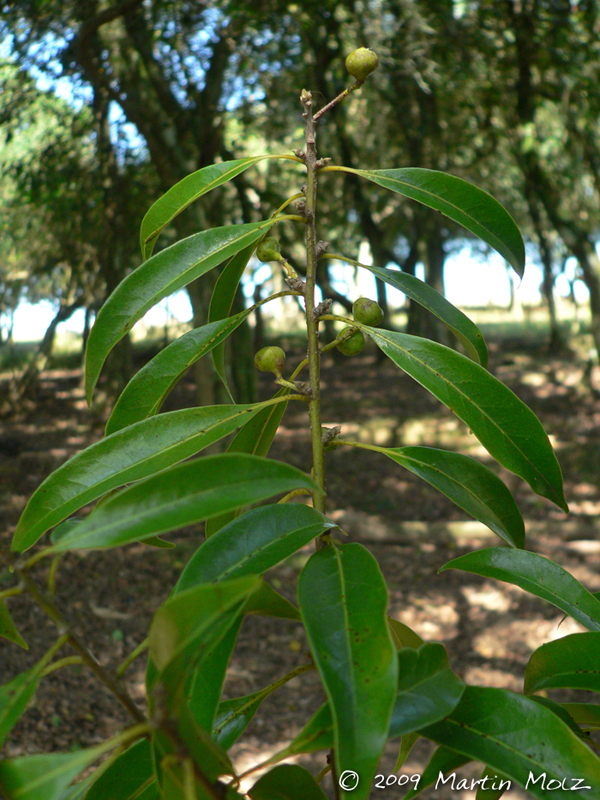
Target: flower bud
(352, 345)
(361, 63)
(367, 311)
(268, 250)
(270, 359)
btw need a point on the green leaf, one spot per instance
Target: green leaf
(518, 737)
(183, 495)
(255, 438)
(509, 430)
(130, 777)
(287, 782)
(128, 455)
(443, 761)
(44, 776)
(269, 603)
(183, 193)
(572, 661)
(253, 543)
(14, 699)
(187, 629)
(428, 690)
(587, 715)
(316, 735)
(407, 743)
(461, 326)
(8, 629)
(222, 301)
(146, 391)
(234, 716)
(498, 784)
(343, 600)
(206, 683)
(537, 575)
(404, 636)
(469, 484)
(160, 276)
(557, 709)
(461, 201)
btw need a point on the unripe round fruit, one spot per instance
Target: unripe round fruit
(354, 344)
(361, 63)
(268, 250)
(367, 311)
(270, 359)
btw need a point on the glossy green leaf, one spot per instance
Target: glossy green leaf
(269, 603)
(520, 738)
(182, 495)
(146, 391)
(428, 689)
(142, 449)
(461, 201)
(407, 743)
(343, 600)
(537, 575)
(587, 715)
(572, 661)
(221, 303)
(8, 629)
(461, 326)
(253, 543)
(316, 735)
(509, 430)
(404, 636)
(206, 683)
(255, 438)
(557, 709)
(469, 484)
(442, 762)
(14, 699)
(130, 777)
(160, 276)
(492, 785)
(186, 631)
(183, 193)
(44, 776)
(287, 782)
(234, 716)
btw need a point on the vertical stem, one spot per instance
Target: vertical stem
(314, 406)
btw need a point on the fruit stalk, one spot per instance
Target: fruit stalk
(314, 406)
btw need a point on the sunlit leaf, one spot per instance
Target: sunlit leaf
(509, 430)
(587, 715)
(183, 193)
(253, 543)
(461, 201)
(146, 391)
(142, 449)
(343, 600)
(404, 636)
(537, 575)
(160, 276)
(469, 484)
(461, 326)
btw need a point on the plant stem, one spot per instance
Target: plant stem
(312, 325)
(338, 99)
(62, 625)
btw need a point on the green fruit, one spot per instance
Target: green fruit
(361, 63)
(367, 311)
(270, 359)
(354, 344)
(268, 250)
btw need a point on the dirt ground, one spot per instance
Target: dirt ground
(489, 628)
